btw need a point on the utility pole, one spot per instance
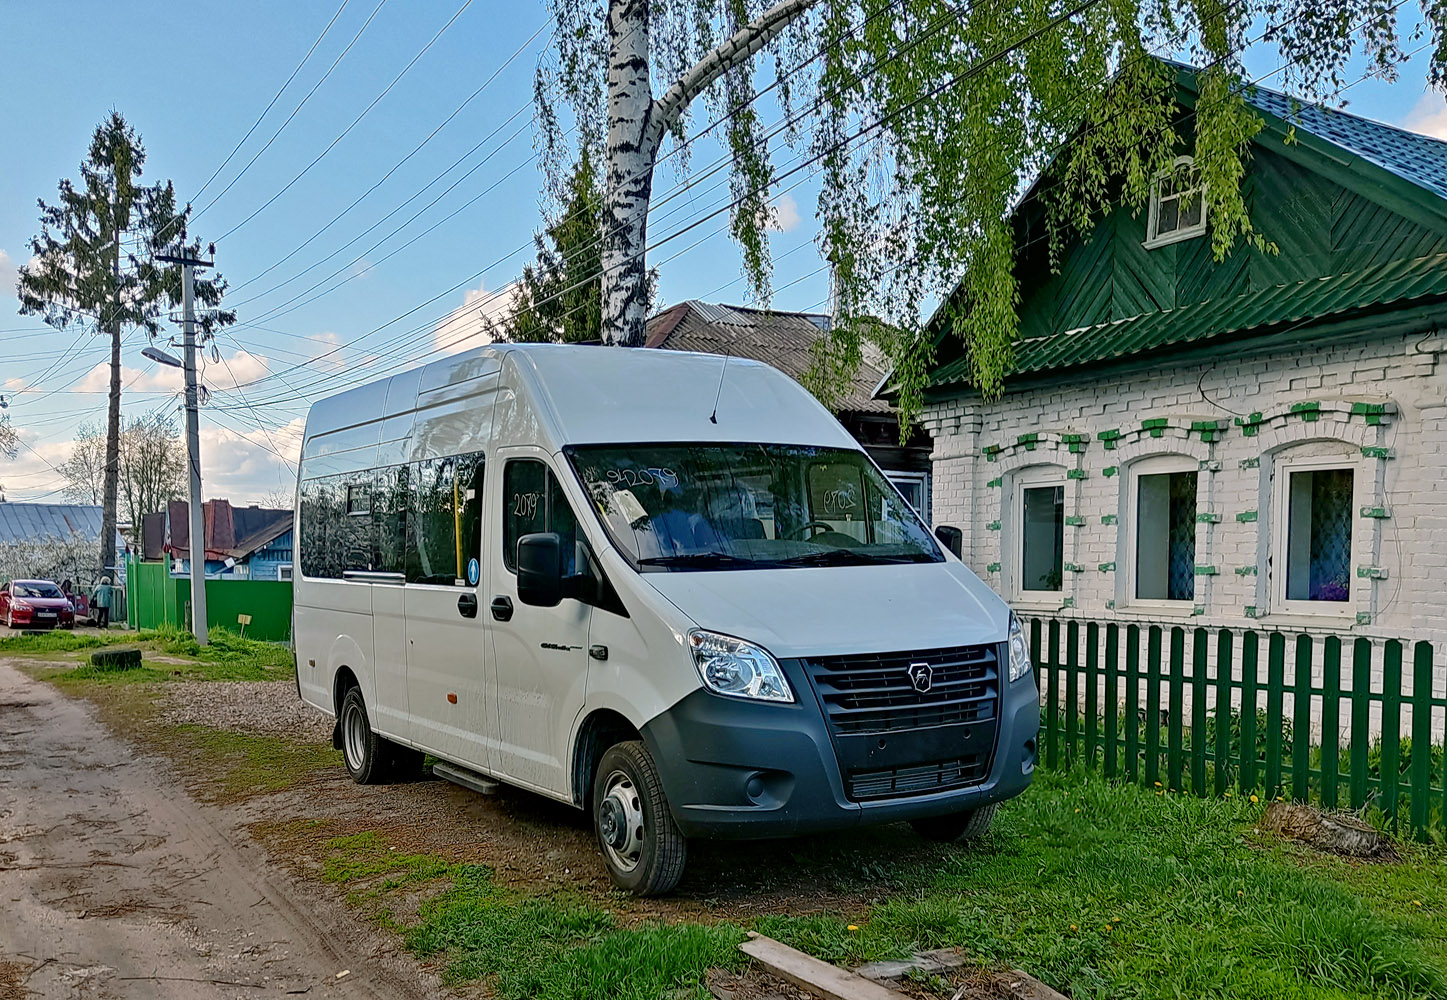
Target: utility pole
(193, 438)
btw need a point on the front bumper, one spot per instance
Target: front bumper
(734, 769)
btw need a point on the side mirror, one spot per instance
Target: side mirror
(951, 538)
(540, 569)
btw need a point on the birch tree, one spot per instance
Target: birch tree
(921, 120)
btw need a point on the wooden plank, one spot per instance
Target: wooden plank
(1361, 735)
(809, 973)
(1072, 692)
(1175, 709)
(1112, 699)
(1092, 682)
(1391, 728)
(1420, 767)
(1052, 696)
(1250, 644)
(1275, 688)
(1225, 665)
(1330, 720)
(1153, 704)
(1132, 701)
(1199, 737)
(1301, 722)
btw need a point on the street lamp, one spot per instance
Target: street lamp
(161, 357)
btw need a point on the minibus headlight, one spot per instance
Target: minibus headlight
(737, 668)
(1019, 650)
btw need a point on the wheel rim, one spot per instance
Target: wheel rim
(620, 822)
(354, 737)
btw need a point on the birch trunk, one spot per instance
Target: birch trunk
(113, 423)
(636, 127)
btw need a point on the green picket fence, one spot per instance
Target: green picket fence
(1355, 723)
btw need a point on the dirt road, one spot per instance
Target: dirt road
(115, 884)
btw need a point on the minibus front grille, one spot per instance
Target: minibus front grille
(939, 776)
(875, 693)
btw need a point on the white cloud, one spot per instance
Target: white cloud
(1428, 116)
(785, 212)
(466, 326)
(243, 466)
(9, 275)
(236, 368)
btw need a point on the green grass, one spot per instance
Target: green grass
(228, 657)
(237, 765)
(1099, 890)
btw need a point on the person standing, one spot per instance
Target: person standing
(101, 604)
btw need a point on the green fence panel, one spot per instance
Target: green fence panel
(267, 602)
(1225, 669)
(1250, 664)
(1361, 720)
(1199, 737)
(1052, 700)
(1301, 721)
(1072, 691)
(1112, 699)
(1132, 701)
(1092, 683)
(1153, 704)
(1391, 727)
(1275, 687)
(1421, 765)
(1175, 708)
(1330, 719)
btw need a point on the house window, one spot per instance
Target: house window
(1040, 517)
(1178, 208)
(1164, 533)
(914, 487)
(1318, 536)
(283, 572)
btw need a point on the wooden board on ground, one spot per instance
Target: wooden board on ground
(819, 978)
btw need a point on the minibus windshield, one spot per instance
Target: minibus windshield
(679, 507)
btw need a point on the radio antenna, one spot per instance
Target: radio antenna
(713, 417)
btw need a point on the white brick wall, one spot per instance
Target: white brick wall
(1410, 545)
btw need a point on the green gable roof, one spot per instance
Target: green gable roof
(1359, 209)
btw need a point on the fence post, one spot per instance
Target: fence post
(1112, 698)
(1052, 698)
(1250, 667)
(1421, 764)
(1132, 701)
(1391, 727)
(1153, 704)
(1092, 680)
(1361, 734)
(1199, 737)
(1175, 708)
(1301, 721)
(1072, 692)
(1275, 684)
(1225, 666)
(1330, 719)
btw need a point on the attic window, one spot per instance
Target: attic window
(1178, 210)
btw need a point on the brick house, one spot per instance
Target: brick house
(1258, 443)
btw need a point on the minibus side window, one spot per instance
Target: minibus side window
(390, 498)
(533, 501)
(321, 516)
(445, 519)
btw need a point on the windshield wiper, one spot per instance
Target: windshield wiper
(847, 557)
(700, 560)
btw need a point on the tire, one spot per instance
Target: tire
(642, 847)
(957, 828)
(363, 751)
(404, 763)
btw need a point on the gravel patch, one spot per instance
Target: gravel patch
(262, 708)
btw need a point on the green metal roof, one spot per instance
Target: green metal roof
(1394, 283)
(1402, 171)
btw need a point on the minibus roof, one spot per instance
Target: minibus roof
(586, 394)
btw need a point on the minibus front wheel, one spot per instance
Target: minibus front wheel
(642, 847)
(956, 828)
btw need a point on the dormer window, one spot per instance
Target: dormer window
(1178, 210)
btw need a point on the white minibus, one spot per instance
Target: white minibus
(665, 588)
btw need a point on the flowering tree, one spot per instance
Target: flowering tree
(62, 557)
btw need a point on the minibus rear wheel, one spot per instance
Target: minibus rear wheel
(366, 754)
(956, 828)
(643, 849)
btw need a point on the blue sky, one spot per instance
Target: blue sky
(193, 79)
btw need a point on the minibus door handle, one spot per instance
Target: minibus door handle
(502, 608)
(467, 605)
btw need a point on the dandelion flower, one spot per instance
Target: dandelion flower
(854, 927)
(1241, 892)
(1254, 798)
(1077, 810)
(1073, 927)
(1416, 902)
(1158, 784)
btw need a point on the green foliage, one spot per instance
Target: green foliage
(925, 119)
(559, 297)
(94, 259)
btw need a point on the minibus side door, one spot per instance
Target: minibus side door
(446, 686)
(540, 655)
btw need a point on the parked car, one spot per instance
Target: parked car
(682, 598)
(35, 604)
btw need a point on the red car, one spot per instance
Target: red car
(35, 604)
